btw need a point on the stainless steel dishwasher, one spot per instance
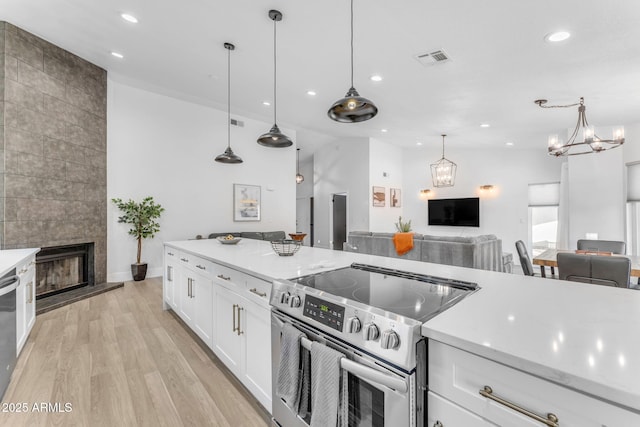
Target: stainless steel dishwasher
(8, 285)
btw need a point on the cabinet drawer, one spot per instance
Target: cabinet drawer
(459, 376)
(448, 414)
(196, 263)
(259, 290)
(229, 277)
(171, 253)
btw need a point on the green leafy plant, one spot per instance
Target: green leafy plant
(141, 216)
(403, 227)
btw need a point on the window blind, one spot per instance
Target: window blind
(547, 194)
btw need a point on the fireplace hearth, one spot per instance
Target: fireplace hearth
(63, 268)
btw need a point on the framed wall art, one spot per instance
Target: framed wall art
(246, 202)
(378, 196)
(395, 197)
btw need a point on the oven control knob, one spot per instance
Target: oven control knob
(294, 301)
(371, 332)
(353, 325)
(389, 339)
(284, 298)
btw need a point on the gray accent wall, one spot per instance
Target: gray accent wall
(53, 142)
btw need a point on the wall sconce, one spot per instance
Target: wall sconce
(425, 193)
(487, 187)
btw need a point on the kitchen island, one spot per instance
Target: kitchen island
(551, 346)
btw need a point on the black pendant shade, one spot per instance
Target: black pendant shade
(274, 138)
(229, 156)
(352, 108)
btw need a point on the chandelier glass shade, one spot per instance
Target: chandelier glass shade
(299, 176)
(590, 142)
(352, 108)
(274, 138)
(443, 172)
(228, 156)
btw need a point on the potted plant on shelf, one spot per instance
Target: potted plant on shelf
(141, 216)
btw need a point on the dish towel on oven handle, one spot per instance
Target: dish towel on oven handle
(326, 391)
(288, 381)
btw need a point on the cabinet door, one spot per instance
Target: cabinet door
(202, 293)
(186, 302)
(444, 413)
(171, 278)
(229, 343)
(30, 299)
(256, 324)
(21, 327)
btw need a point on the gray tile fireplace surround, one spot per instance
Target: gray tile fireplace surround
(53, 168)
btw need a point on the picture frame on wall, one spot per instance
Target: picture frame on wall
(378, 196)
(246, 202)
(395, 197)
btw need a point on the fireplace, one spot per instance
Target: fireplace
(63, 268)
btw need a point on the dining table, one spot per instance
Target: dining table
(549, 258)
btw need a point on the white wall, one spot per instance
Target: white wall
(631, 147)
(385, 170)
(342, 167)
(165, 148)
(304, 192)
(503, 212)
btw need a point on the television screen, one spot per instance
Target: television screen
(456, 212)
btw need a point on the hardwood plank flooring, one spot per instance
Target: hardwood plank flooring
(118, 359)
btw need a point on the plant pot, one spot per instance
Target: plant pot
(139, 271)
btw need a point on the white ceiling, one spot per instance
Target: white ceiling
(500, 61)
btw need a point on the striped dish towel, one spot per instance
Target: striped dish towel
(325, 386)
(288, 381)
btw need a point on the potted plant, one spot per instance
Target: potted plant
(141, 216)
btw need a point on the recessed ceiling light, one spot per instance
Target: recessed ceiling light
(384, 130)
(376, 78)
(418, 143)
(311, 92)
(509, 144)
(267, 103)
(485, 125)
(129, 18)
(117, 55)
(558, 36)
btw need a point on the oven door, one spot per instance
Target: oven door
(377, 396)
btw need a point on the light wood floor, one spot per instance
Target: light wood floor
(119, 360)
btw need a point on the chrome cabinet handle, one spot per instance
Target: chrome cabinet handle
(184, 260)
(193, 295)
(240, 331)
(190, 287)
(551, 420)
(233, 314)
(30, 285)
(169, 273)
(260, 294)
(201, 267)
(223, 277)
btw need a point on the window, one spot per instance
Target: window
(544, 200)
(633, 208)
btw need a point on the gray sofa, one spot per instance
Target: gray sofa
(258, 235)
(483, 252)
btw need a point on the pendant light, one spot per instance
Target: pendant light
(353, 107)
(274, 138)
(299, 176)
(443, 172)
(229, 156)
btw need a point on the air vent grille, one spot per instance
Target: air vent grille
(433, 56)
(238, 123)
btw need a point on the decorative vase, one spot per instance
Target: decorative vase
(139, 271)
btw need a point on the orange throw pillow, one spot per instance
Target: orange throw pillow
(403, 242)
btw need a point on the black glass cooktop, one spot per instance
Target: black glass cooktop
(415, 296)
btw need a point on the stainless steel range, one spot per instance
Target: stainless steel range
(373, 316)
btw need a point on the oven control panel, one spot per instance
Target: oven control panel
(325, 312)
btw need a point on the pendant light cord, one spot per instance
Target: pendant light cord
(298, 162)
(229, 98)
(443, 145)
(351, 43)
(275, 102)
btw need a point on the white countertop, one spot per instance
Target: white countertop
(9, 258)
(581, 336)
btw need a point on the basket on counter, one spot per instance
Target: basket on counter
(285, 247)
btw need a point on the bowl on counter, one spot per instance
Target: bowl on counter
(225, 240)
(285, 247)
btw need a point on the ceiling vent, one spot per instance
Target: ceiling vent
(238, 123)
(431, 57)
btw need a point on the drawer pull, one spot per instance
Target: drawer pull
(170, 253)
(184, 260)
(551, 420)
(201, 267)
(223, 277)
(257, 292)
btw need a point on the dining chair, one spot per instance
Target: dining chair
(595, 269)
(525, 261)
(612, 246)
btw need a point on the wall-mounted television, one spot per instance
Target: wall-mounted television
(455, 212)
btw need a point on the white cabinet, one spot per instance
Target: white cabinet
(195, 302)
(513, 398)
(25, 300)
(229, 341)
(170, 278)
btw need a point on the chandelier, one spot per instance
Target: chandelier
(591, 143)
(443, 172)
